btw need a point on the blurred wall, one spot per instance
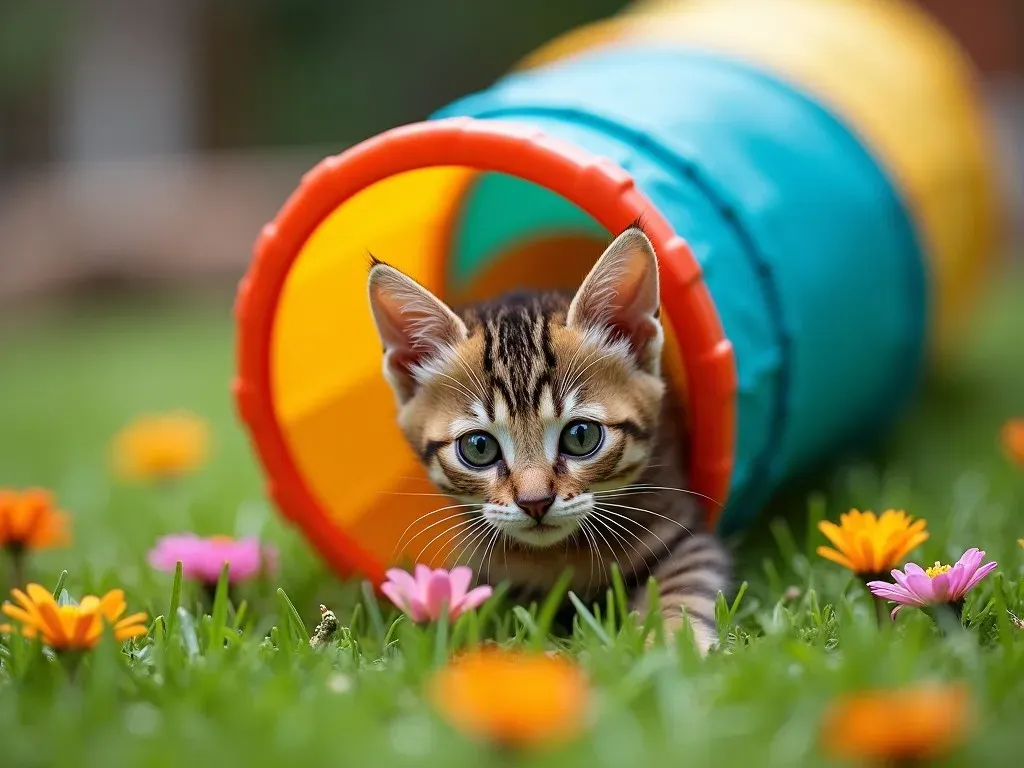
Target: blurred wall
(150, 139)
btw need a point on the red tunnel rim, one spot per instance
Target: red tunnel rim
(595, 184)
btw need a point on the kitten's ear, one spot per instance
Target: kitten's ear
(413, 325)
(620, 298)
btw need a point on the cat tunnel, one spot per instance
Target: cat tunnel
(815, 176)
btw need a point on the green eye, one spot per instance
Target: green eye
(478, 449)
(581, 438)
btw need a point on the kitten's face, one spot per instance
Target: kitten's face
(529, 405)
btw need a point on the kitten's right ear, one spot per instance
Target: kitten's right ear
(413, 324)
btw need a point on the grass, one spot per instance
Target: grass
(802, 633)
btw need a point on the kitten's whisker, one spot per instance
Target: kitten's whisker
(563, 388)
(424, 516)
(479, 536)
(461, 389)
(646, 488)
(412, 493)
(447, 550)
(589, 365)
(649, 512)
(642, 527)
(611, 549)
(586, 381)
(632, 565)
(426, 546)
(585, 526)
(481, 390)
(489, 553)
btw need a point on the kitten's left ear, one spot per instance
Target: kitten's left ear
(620, 297)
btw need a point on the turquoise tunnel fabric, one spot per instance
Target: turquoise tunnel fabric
(806, 248)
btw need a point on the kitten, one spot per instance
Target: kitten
(548, 413)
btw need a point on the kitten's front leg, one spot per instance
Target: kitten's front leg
(689, 581)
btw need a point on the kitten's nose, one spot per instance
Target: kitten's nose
(536, 508)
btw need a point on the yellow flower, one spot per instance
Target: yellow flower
(71, 627)
(871, 545)
(917, 723)
(161, 446)
(514, 699)
(30, 519)
(1013, 440)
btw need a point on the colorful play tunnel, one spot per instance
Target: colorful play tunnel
(815, 176)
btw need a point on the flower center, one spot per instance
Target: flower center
(936, 569)
(229, 540)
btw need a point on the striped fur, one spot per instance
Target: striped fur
(520, 369)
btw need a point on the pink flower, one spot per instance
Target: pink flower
(425, 596)
(202, 559)
(936, 585)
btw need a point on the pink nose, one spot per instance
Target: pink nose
(536, 508)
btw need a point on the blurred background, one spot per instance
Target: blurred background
(148, 140)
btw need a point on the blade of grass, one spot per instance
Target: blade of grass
(373, 611)
(60, 584)
(816, 506)
(588, 618)
(172, 610)
(219, 613)
(548, 609)
(619, 586)
(290, 615)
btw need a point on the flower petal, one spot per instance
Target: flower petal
(112, 604)
(475, 598)
(52, 625)
(396, 595)
(920, 586)
(912, 569)
(422, 574)
(126, 633)
(402, 580)
(834, 534)
(438, 595)
(892, 616)
(80, 631)
(980, 574)
(19, 614)
(836, 557)
(460, 579)
(940, 588)
(134, 618)
(40, 595)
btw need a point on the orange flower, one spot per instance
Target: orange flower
(30, 519)
(871, 545)
(1013, 440)
(512, 698)
(887, 727)
(161, 446)
(71, 627)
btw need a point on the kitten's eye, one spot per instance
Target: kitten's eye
(478, 449)
(581, 438)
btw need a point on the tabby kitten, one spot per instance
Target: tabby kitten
(546, 415)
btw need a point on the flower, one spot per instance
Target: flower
(202, 558)
(936, 585)
(870, 545)
(893, 727)
(161, 446)
(511, 697)
(30, 519)
(426, 595)
(1013, 440)
(71, 627)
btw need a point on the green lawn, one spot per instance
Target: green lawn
(68, 381)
